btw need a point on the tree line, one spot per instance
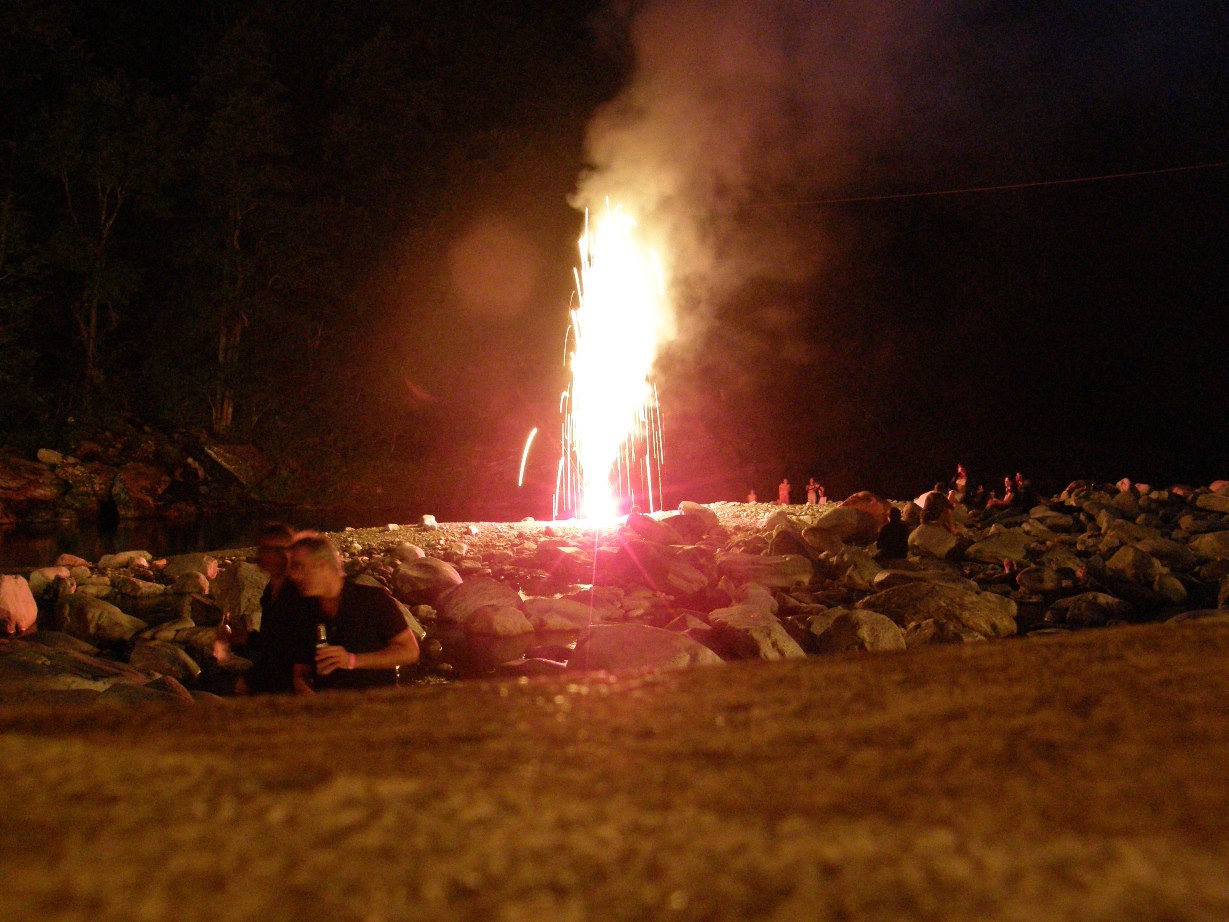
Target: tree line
(192, 200)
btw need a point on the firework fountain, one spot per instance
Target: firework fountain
(612, 444)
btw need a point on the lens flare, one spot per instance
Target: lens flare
(612, 445)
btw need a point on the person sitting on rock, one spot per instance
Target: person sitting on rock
(1025, 494)
(366, 637)
(976, 498)
(936, 509)
(960, 483)
(287, 619)
(783, 493)
(751, 497)
(893, 540)
(1006, 500)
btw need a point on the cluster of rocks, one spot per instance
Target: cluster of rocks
(138, 474)
(705, 584)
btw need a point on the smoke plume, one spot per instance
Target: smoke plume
(736, 110)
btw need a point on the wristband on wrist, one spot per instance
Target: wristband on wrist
(350, 665)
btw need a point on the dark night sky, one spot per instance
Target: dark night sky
(1069, 331)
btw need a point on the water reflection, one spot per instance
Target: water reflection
(39, 545)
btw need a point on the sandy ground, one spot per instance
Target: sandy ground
(1079, 777)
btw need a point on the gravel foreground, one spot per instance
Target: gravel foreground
(1061, 777)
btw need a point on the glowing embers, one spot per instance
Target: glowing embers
(612, 447)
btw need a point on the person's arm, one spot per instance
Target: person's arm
(401, 650)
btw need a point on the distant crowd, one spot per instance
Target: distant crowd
(1017, 493)
(814, 493)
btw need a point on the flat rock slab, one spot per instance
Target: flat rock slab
(1040, 779)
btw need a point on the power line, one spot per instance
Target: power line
(1003, 188)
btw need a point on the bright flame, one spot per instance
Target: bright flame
(612, 424)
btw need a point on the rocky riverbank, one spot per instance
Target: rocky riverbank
(704, 585)
(129, 472)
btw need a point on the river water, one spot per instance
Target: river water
(30, 546)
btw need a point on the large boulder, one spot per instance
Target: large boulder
(861, 569)
(1124, 531)
(136, 588)
(138, 489)
(872, 505)
(90, 485)
(931, 631)
(558, 614)
(567, 562)
(18, 610)
(425, 578)
(1090, 609)
(661, 568)
(786, 571)
(706, 516)
(191, 584)
(984, 612)
(852, 524)
(164, 659)
(1172, 553)
(458, 603)
(28, 487)
(652, 530)
(407, 552)
(637, 647)
(1040, 580)
(205, 564)
(92, 619)
(748, 631)
(33, 670)
(1008, 544)
(1213, 502)
(931, 541)
(1212, 545)
(496, 621)
(822, 540)
(1136, 566)
(855, 629)
(122, 559)
(44, 577)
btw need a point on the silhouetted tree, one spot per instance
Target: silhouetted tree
(245, 175)
(110, 145)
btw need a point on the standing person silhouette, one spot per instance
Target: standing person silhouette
(783, 493)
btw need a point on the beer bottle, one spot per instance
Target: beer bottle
(322, 635)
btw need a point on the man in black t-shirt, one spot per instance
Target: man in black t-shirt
(366, 636)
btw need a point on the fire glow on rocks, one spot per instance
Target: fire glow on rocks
(612, 443)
